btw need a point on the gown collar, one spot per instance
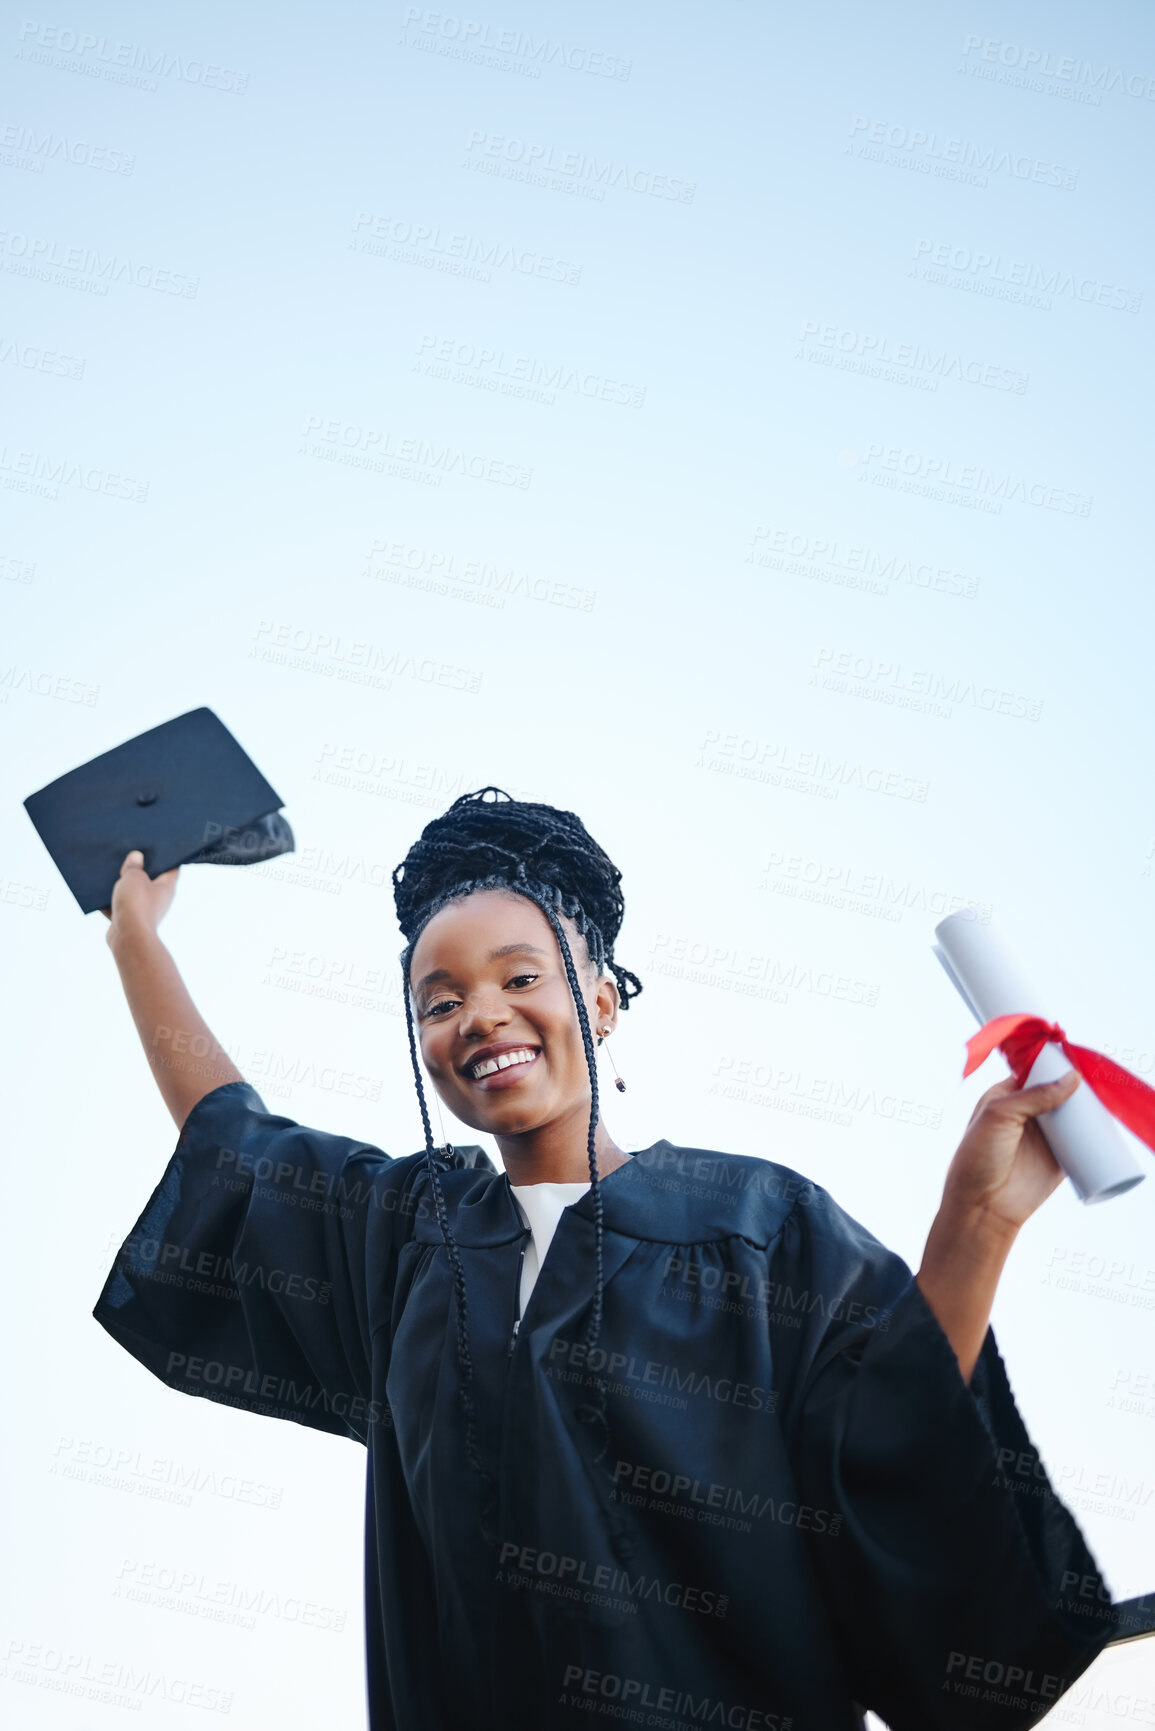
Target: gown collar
(665, 1193)
(487, 1213)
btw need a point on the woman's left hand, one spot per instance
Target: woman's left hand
(1003, 1169)
(1001, 1172)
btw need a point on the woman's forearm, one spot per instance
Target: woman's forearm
(186, 1060)
(1002, 1171)
(960, 1272)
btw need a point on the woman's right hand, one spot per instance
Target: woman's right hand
(139, 902)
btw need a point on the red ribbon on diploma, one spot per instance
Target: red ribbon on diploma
(1021, 1038)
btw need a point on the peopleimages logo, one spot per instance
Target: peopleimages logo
(931, 152)
(121, 62)
(519, 1561)
(547, 158)
(33, 471)
(666, 1705)
(1038, 63)
(518, 374)
(929, 365)
(998, 487)
(37, 148)
(991, 269)
(476, 40)
(423, 243)
(376, 447)
(80, 267)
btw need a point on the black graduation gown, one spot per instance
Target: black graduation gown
(815, 1513)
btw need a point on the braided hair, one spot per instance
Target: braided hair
(550, 857)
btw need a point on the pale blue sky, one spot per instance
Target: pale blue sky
(618, 636)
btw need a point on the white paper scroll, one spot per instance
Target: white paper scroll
(1082, 1134)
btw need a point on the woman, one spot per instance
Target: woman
(717, 1458)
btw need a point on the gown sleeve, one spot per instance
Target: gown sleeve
(959, 1586)
(255, 1274)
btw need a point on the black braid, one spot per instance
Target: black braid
(436, 872)
(464, 1353)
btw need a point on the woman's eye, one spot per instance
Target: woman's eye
(448, 1003)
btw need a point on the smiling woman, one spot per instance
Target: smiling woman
(661, 1433)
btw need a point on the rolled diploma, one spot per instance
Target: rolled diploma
(1083, 1136)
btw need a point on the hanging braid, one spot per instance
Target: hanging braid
(548, 856)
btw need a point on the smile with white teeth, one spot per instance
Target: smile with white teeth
(503, 1061)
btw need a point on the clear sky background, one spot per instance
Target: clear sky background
(732, 424)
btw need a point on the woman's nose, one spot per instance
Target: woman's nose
(479, 1015)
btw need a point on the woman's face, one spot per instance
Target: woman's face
(487, 977)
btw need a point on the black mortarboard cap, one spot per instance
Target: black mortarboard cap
(184, 793)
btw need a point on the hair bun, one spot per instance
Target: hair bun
(511, 840)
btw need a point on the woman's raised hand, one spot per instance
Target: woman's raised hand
(1003, 1168)
(1001, 1172)
(139, 902)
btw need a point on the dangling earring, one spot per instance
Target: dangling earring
(618, 1083)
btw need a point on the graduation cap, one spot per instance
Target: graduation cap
(185, 793)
